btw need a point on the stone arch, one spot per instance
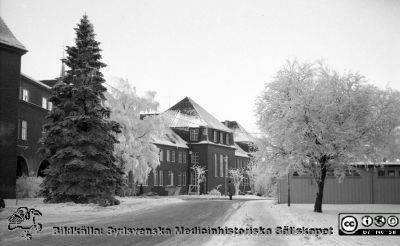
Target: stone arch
(43, 166)
(22, 167)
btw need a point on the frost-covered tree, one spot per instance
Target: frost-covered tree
(199, 175)
(135, 151)
(79, 138)
(318, 120)
(237, 176)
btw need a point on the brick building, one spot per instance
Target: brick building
(11, 51)
(203, 140)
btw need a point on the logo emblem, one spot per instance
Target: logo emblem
(349, 224)
(367, 221)
(392, 221)
(380, 221)
(25, 219)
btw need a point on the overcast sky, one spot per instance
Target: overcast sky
(219, 53)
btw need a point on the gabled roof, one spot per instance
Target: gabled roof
(7, 38)
(170, 138)
(239, 133)
(240, 152)
(187, 113)
(35, 81)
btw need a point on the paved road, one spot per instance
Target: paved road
(191, 213)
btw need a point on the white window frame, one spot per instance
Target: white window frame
(173, 156)
(221, 167)
(216, 164)
(50, 106)
(215, 136)
(44, 103)
(161, 174)
(161, 155)
(194, 134)
(226, 160)
(24, 130)
(155, 178)
(179, 156)
(195, 158)
(184, 157)
(221, 137)
(168, 155)
(227, 139)
(25, 95)
(146, 181)
(171, 178)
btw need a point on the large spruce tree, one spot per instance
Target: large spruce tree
(79, 138)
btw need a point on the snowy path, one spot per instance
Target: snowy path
(252, 214)
(188, 213)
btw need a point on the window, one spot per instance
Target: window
(391, 173)
(146, 181)
(161, 174)
(50, 106)
(184, 157)
(168, 155)
(245, 182)
(24, 129)
(216, 165)
(171, 178)
(179, 178)
(161, 155)
(195, 158)
(381, 173)
(226, 165)
(44, 102)
(221, 137)
(227, 139)
(179, 157)
(194, 134)
(295, 174)
(221, 165)
(155, 178)
(192, 178)
(215, 136)
(173, 156)
(184, 178)
(25, 95)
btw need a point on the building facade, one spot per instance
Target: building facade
(372, 184)
(11, 51)
(33, 106)
(206, 142)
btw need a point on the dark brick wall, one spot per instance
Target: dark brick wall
(176, 167)
(35, 116)
(10, 69)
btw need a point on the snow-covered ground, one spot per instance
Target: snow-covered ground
(303, 215)
(71, 213)
(269, 214)
(64, 212)
(215, 197)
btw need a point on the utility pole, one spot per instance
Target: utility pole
(288, 188)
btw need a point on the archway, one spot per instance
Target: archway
(43, 166)
(22, 167)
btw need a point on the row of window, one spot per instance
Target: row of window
(46, 104)
(218, 136)
(241, 163)
(159, 178)
(388, 173)
(220, 165)
(355, 173)
(182, 156)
